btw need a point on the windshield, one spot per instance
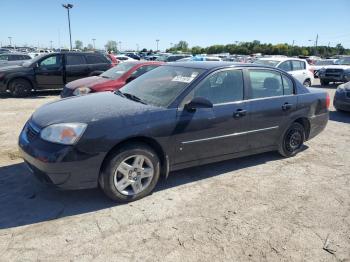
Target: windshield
(324, 62)
(162, 85)
(272, 63)
(343, 61)
(118, 70)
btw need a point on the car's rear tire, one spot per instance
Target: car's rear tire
(20, 87)
(131, 173)
(324, 82)
(292, 140)
(307, 83)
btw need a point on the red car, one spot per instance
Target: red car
(110, 80)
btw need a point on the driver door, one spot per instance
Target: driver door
(217, 131)
(49, 72)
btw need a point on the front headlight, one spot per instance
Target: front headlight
(65, 133)
(81, 91)
(340, 88)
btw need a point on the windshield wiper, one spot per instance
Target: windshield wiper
(120, 93)
(134, 98)
(104, 77)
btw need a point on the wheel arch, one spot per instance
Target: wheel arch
(152, 143)
(304, 121)
(9, 81)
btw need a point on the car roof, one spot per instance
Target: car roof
(14, 53)
(281, 59)
(212, 64)
(137, 62)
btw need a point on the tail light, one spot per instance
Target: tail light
(328, 101)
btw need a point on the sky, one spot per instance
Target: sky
(140, 22)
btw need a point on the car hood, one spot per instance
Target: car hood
(337, 67)
(12, 68)
(87, 82)
(93, 108)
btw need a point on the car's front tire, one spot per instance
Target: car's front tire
(20, 87)
(324, 82)
(131, 173)
(292, 140)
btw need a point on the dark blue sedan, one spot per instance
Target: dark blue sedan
(176, 116)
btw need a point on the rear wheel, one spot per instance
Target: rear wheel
(20, 88)
(131, 173)
(324, 82)
(307, 83)
(292, 141)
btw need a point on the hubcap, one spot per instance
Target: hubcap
(295, 140)
(133, 175)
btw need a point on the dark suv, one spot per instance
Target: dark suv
(50, 71)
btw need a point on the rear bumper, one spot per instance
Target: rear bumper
(317, 124)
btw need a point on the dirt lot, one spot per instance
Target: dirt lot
(258, 208)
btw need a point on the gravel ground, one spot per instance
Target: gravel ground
(258, 208)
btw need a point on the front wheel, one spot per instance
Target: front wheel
(20, 88)
(324, 82)
(292, 141)
(131, 173)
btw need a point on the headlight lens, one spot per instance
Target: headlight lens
(81, 91)
(340, 88)
(65, 133)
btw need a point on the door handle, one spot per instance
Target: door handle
(286, 106)
(239, 113)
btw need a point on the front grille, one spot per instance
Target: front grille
(334, 72)
(31, 132)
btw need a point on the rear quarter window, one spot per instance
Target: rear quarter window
(75, 60)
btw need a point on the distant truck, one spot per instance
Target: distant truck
(339, 72)
(50, 71)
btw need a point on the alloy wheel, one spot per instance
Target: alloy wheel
(133, 175)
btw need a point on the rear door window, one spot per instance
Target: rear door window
(75, 60)
(265, 83)
(298, 65)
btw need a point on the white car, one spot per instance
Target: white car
(124, 58)
(298, 68)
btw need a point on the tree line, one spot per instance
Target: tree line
(248, 48)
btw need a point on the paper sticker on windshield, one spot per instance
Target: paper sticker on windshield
(183, 79)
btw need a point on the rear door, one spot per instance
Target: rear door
(217, 131)
(49, 72)
(76, 67)
(97, 62)
(272, 103)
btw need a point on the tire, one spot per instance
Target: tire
(324, 82)
(307, 83)
(292, 140)
(123, 179)
(20, 88)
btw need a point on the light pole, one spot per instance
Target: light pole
(10, 38)
(51, 44)
(137, 47)
(120, 46)
(69, 6)
(93, 40)
(157, 44)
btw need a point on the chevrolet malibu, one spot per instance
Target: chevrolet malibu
(176, 116)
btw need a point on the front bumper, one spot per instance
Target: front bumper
(336, 78)
(63, 166)
(341, 100)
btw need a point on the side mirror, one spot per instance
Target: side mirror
(198, 102)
